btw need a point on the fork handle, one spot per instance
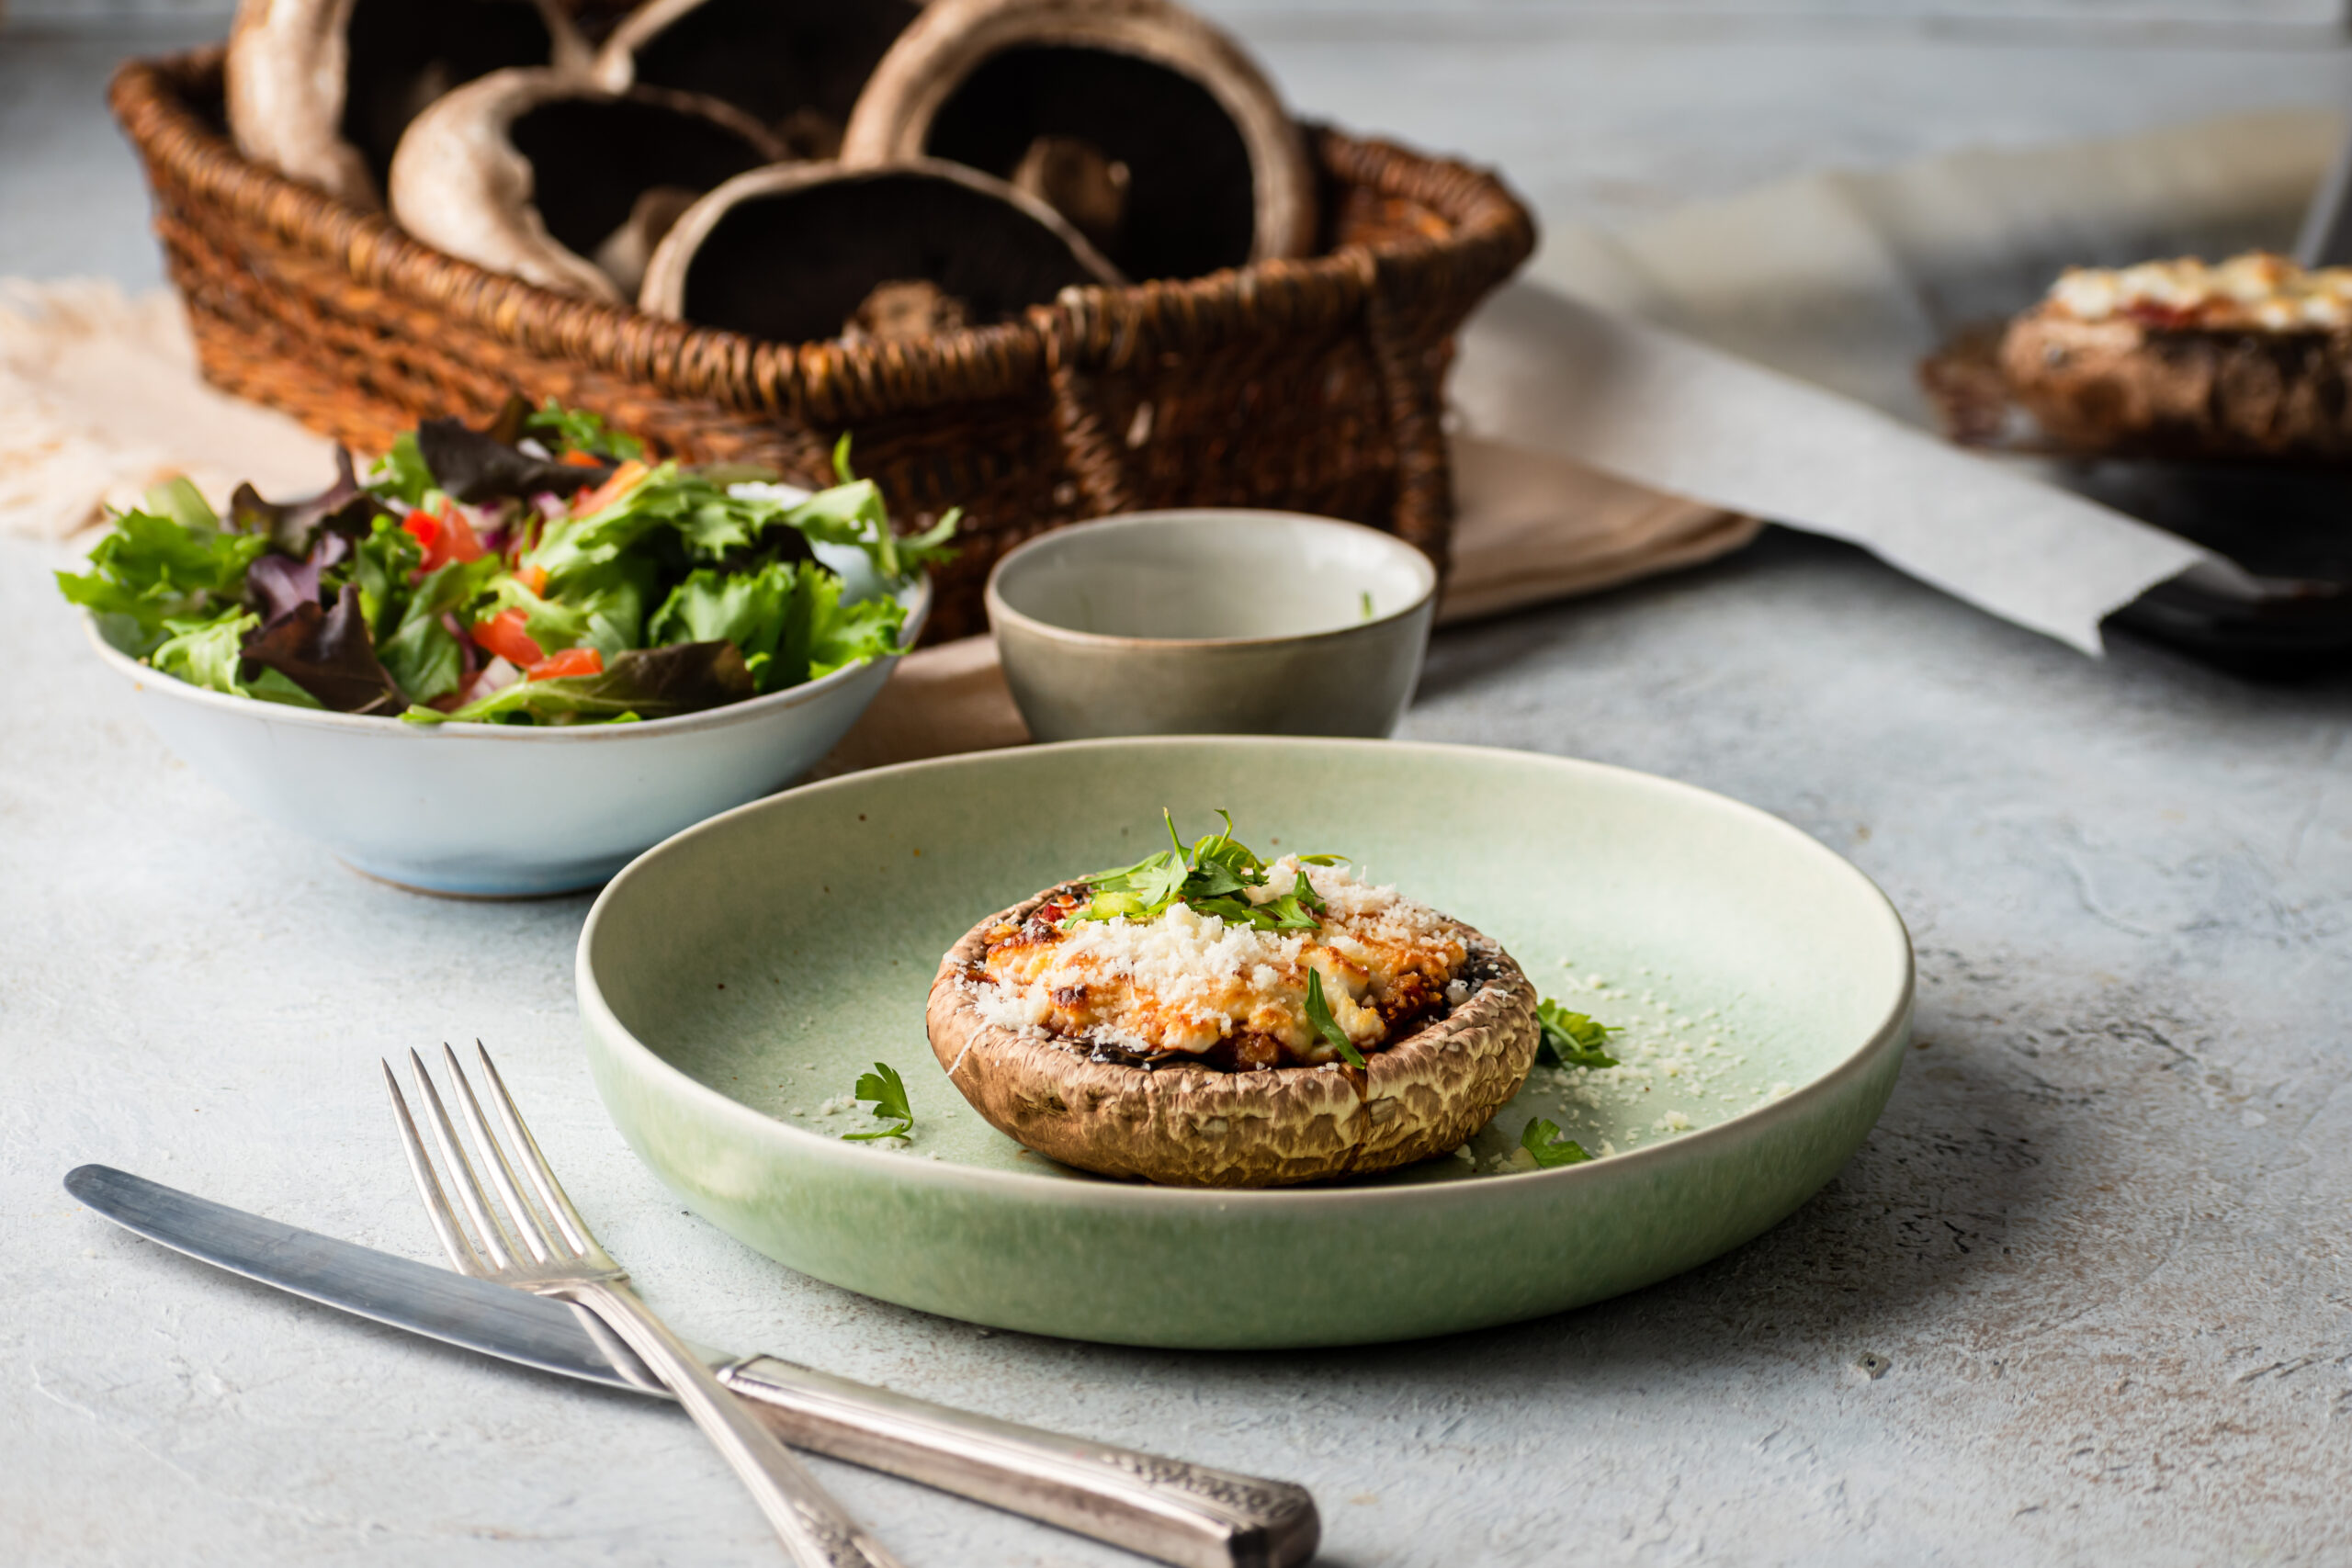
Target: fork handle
(815, 1530)
(1185, 1513)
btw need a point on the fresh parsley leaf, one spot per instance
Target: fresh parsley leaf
(1216, 875)
(1318, 1013)
(889, 1091)
(1161, 885)
(1542, 1139)
(1571, 1039)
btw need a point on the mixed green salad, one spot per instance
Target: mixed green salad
(539, 571)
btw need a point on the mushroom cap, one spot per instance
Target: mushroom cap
(530, 173)
(1217, 173)
(321, 90)
(787, 63)
(1191, 1126)
(789, 253)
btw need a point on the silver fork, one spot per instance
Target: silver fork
(551, 1254)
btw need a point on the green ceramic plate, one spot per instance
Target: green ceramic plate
(737, 979)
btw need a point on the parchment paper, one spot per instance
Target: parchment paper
(1760, 353)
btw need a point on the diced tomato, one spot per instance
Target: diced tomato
(445, 535)
(458, 540)
(534, 578)
(623, 479)
(570, 661)
(504, 636)
(580, 459)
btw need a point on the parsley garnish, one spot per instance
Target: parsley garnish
(1542, 1140)
(1318, 1013)
(889, 1091)
(1214, 876)
(1571, 1039)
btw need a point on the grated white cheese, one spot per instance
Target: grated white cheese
(2256, 291)
(1183, 981)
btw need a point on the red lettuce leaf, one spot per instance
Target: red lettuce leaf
(475, 466)
(328, 654)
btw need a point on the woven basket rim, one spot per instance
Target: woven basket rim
(832, 382)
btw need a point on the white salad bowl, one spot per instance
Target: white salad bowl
(489, 810)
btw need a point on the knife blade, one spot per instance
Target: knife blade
(1181, 1512)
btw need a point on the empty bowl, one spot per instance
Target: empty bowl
(1212, 621)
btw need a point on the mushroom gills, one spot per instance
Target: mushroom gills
(610, 175)
(406, 54)
(794, 65)
(884, 253)
(1141, 158)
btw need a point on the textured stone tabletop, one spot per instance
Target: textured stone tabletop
(2095, 1251)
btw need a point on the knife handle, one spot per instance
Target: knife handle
(1185, 1514)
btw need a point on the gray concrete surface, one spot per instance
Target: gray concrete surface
(2099, 1240)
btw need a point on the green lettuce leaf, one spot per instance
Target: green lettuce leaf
(381, 567)
(401, 473)
(609, 601)
(746, 608)
(552, 625)
(563, 430)
(207, 652)
(422, 655)
(151, 569)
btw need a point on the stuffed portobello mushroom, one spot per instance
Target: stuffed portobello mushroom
(1207, 1019)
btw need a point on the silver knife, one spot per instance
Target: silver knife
(1179, 1512)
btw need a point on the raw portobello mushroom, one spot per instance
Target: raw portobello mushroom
(321, 90)
(802, 252)
(1147, 127)
(545, 176)
(796, 66)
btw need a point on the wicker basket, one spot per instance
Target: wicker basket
(1312, 384)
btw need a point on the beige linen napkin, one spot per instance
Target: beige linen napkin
(99, 398)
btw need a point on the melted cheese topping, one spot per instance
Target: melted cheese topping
(1185, 983)
(2255, 292)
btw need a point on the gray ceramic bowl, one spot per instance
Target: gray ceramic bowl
(1212, 622)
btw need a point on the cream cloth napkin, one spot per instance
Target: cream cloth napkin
(99, 398)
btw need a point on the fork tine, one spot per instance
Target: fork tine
(529, 1229)
(566, 1218)
(461, 1172)
(461, 1251)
